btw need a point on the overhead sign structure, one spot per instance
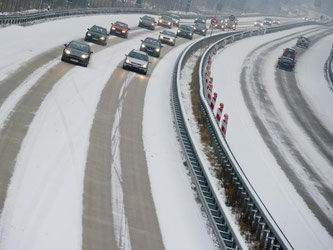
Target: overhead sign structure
(232, 18)
(213, 21)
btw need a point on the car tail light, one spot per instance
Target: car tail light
(281, 61)
(292, 64)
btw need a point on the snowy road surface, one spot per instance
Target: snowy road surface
(273, 113)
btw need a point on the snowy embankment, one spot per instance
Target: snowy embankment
(297, 221)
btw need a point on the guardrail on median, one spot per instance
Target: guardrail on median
(227, 236)
(329, 69)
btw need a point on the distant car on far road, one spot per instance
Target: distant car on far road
(167, 37)
(303, 42)
(76, 52)
(200, 20)
(137, 60)
(97, 34)
(185, 31)
(119, 29)
(258, 23)
(286, 63)
(276, 21)
(175, 19)
(165, 21)
(147, 22)
(200, 28)
(268, 21)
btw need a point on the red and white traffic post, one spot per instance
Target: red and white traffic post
(213, 101)
(219, 112)
(225, 124)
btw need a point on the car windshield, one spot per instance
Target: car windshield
(185, 27)
(304, 38)
(152, 41)
(175, 17)
(167, 18)
(149, 18)
(137, 55)
(169, 33)
(99, 29)
(79, 46)
(122, 25)
(201, 25)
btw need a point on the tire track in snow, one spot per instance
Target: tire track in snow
(257, 99)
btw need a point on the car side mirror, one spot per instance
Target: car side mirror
(111, 23)
(129, 28)
(88, 29)
(65, 44)
(91, 52)
(141, 40)
(125, 54)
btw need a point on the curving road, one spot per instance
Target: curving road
(274, 132)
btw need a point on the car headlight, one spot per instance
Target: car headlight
(102, 38)
(113, 28)
(153, 24)
(169, 23)
(157, 50)
(195, 28)
(128, 61)
(191, 34)
(84, 56)
(160, 21)
(177, 22)
(203, 30)
(161, 37)
(142, 45)
(67, 51)
(123, 31)
(178, 31)
(171, 40)
(88, 34)
(144, 65)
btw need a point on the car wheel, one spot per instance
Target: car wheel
(124, 67)
(63, 59)
(144, 72)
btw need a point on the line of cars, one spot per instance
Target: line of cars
(288, 59)
(266, 22)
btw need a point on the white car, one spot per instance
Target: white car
(258, 23)
(137, 60)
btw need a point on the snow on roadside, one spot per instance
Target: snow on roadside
(43, 208)
(292, 214)
(181, 221)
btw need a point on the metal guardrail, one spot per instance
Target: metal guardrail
(266, 229)
(329, 69)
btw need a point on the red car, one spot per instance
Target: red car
(291, 53)
(119, 29)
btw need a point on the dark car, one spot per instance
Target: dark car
(276, 21)
(185, 31)
(289, 52)
(220, 24)
(147, 22)
(165, 21)
(152, 46)
(175, 19)
(200, 28)
(137, 60)
(286, 63)
(200, 20)
(230, 25)
(77, 52)
(119, 29)
(268, 21)
(97, 34)
(303, 42)
(167, 37)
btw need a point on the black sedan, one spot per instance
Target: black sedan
(147, 22)
(152, 46)
(97, 34)
(200, 28)
(185, 31)
(77, 52)
(286, 63)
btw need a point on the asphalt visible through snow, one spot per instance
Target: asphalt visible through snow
(270, 125)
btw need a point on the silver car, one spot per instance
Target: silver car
(137, 60)
(167, 37)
